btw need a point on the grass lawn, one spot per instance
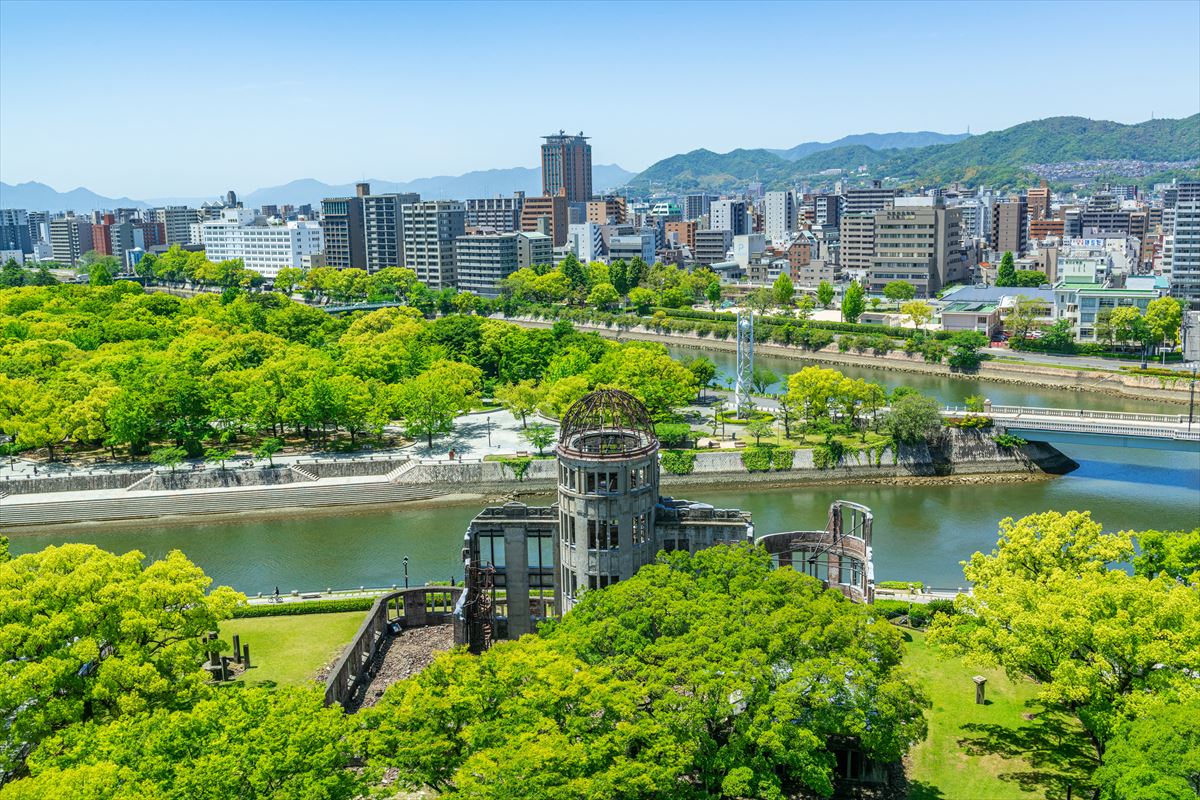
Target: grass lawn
(290, 650)
(987, 752)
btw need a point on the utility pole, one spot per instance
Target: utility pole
(1192, 396)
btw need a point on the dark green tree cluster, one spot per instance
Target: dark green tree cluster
(13, 274)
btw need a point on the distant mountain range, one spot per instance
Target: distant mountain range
(998, 158)
(485, 183)
(875, 141)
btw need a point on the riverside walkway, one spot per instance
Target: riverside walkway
(1175, 431)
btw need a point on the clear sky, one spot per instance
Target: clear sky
(177, 98)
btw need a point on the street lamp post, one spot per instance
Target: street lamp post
(489, 429)
(406, 572)
(1192, 396)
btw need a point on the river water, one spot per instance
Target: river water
(922, 532)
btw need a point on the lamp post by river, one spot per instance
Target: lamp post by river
(1192, 396)
(406, 572)
(489, 429)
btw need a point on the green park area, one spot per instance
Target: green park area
(288, 650)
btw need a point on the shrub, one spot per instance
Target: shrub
(918, 615)
(940, 606)
(890, 609)
(904, 585)
(678, 462)
(757, 459)
(781, 459)
(828, 455)
(305, 607)
(971, 421)
(1009, 441)
(673, 434)
(518, 466)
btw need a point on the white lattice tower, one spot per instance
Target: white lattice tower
(745, 363)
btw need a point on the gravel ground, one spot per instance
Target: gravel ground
(403, 656)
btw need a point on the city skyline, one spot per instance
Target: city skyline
(294, 80)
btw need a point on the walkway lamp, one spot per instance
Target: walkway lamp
(406, 572)
(489, 429)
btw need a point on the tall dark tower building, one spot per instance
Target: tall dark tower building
(567, 167)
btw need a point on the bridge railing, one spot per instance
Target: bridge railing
(1074, 413)
(412, 608)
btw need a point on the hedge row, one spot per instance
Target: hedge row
(837, 327)
(678, 462)
(291, 609)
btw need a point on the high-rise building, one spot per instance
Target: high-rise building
(826, 209)
(501, 213)
(684, 233)
(639, 244)
(695, 206)
(70, 238)
(342, 224)
(857, 243)
(262, 247)
(431, 228)
(1009, 231)
(729, 215)
(608, 210)
(780, 216)
(177, 223)
(918, 240)
(39, 227)
(1038, 201)
(14, 230)
(712, 246)
(546, 215)
(1185, 258)
(483, 260)
(383, 231)
(586, 241)
(868, 200)
(567, 167)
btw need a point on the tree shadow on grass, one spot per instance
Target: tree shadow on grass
(920, 790)
(1051, 743)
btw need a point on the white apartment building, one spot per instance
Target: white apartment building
(780, 216)
(730, 215)
(264, 248)
(586, 241)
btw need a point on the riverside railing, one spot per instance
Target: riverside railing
(407, 608)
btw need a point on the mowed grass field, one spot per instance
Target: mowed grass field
(992, 751)
(289, 650)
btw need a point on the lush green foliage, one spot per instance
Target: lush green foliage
(912, 418)
(678, 462)
(1102, 644)
(306, 607)
(240, 742)
(704, 675)
(89, 635)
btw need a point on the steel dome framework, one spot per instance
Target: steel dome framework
(607, 422)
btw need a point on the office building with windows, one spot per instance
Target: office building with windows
(567, 167)
(383, 229)
(263, 247)
(431, 228)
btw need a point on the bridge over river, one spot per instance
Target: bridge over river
(1084, 426)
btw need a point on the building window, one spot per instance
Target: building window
(640, 531)
(603, 534)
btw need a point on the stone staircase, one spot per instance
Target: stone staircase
(304, 474)
(213, 502)
(396, 474)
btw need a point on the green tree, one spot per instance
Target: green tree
(1099, 642)
(787, 412)
(1029, 278)
(642, 299)
(783, 290)
(89, 635)
(853, 302)
(574, 271)
(712, 293)
(805, 306)
(825, 293)
(812, 389)
(1164, 316)
(170, 457)
(897, 291)
(603, 296)
(975, 403)
(520, 399)
(966, 347)
(429, 402)
(912, 418)
(618, 274)
(919, 312)
(704, 371)
(539, 434)
(1175, 554)
(288, 278)
(759, 428)
(11, 274)
(1026, 314)
(1155, 756)
(1006, 275)
(761, 378)
(761, 299)
(712, 682)
(1057, 338)
(267, 449)
(218, 455)
(648, 373)
(251, 743)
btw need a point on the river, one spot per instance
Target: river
(922, 532)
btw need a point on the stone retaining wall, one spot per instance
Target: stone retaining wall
(72, 483)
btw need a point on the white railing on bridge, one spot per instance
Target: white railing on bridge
(1076, 413)
(1078, 420)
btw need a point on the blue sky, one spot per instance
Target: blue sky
(175, 98)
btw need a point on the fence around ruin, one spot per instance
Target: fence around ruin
(410, 608)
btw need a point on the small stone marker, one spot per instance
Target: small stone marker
(980, 683)
(246, 656)
(237, 649)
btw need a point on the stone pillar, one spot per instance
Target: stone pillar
(237, 649)
(980, 683)
(246, 656)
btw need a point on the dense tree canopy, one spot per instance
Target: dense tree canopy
(705, 675)
(89, 635)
